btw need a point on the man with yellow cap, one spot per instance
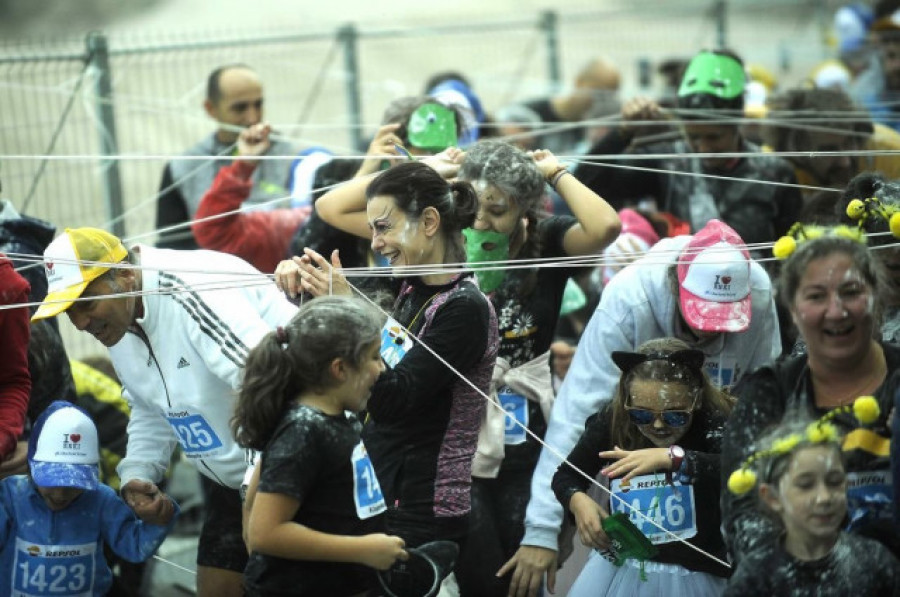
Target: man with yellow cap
(178, 325)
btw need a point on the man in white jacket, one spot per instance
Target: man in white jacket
(178, 325)
(703, 289)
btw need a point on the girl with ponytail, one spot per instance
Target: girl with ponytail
(315, 521)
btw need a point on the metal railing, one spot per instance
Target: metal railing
(87, 128)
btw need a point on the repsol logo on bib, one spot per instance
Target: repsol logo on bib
(61, 553)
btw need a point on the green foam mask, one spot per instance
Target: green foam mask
(489, 280)
(432, 127)
(713, 74)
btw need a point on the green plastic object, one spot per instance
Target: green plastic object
(573, 298)
(489, 279)
(432, 127)
(626, 540)
(713, 74)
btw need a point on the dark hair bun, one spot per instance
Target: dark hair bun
(466, 201)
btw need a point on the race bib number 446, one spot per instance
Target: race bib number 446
(40, 570)
(672, 507)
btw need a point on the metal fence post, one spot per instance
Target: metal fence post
(549, 24)
(98, 58)
(347, 35)
(720, 12)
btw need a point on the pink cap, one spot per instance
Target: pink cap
(714, 280)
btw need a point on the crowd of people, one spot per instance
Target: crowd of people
(638, 327)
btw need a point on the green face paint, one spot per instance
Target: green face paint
(713, 74)
(432, 127)
(489, 280)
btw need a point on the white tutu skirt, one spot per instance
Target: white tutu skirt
(602, 578)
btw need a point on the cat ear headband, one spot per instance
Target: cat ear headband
(690, 358)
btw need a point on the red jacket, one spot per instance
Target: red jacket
(15, 379)
(259, 237)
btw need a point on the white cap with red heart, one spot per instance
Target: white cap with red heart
(63, 450)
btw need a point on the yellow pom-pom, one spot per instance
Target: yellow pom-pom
(741, 481)
(786, 444)
(856, 209)
(866, 409)
(818, 433)
(895, 224)
(783, 247)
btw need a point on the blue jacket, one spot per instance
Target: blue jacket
(61, 553)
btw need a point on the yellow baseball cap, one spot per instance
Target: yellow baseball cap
(73, 260)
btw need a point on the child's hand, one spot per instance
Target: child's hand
(635, 462)
(148, 502)
(380, 551)
(588, 515)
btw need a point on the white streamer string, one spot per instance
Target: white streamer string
(252, 279)
(562, 458)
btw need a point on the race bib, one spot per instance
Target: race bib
(869, 497)
(722, 377)
(516, 420)
(670, 506)
(395, 342)
(366, 491)
(40, 570)
(194, 433)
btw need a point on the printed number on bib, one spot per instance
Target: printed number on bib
(671, 507)
(195, 434)
(40, 570)
(869, 497)
(395, 342)
(516, 421)
(366, 491)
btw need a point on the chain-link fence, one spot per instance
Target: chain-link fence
(88, 126)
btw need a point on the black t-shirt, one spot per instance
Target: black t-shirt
(527, 322)
(855, 566)
(309, 459)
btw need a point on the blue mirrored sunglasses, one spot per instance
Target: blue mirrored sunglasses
(671, 418)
